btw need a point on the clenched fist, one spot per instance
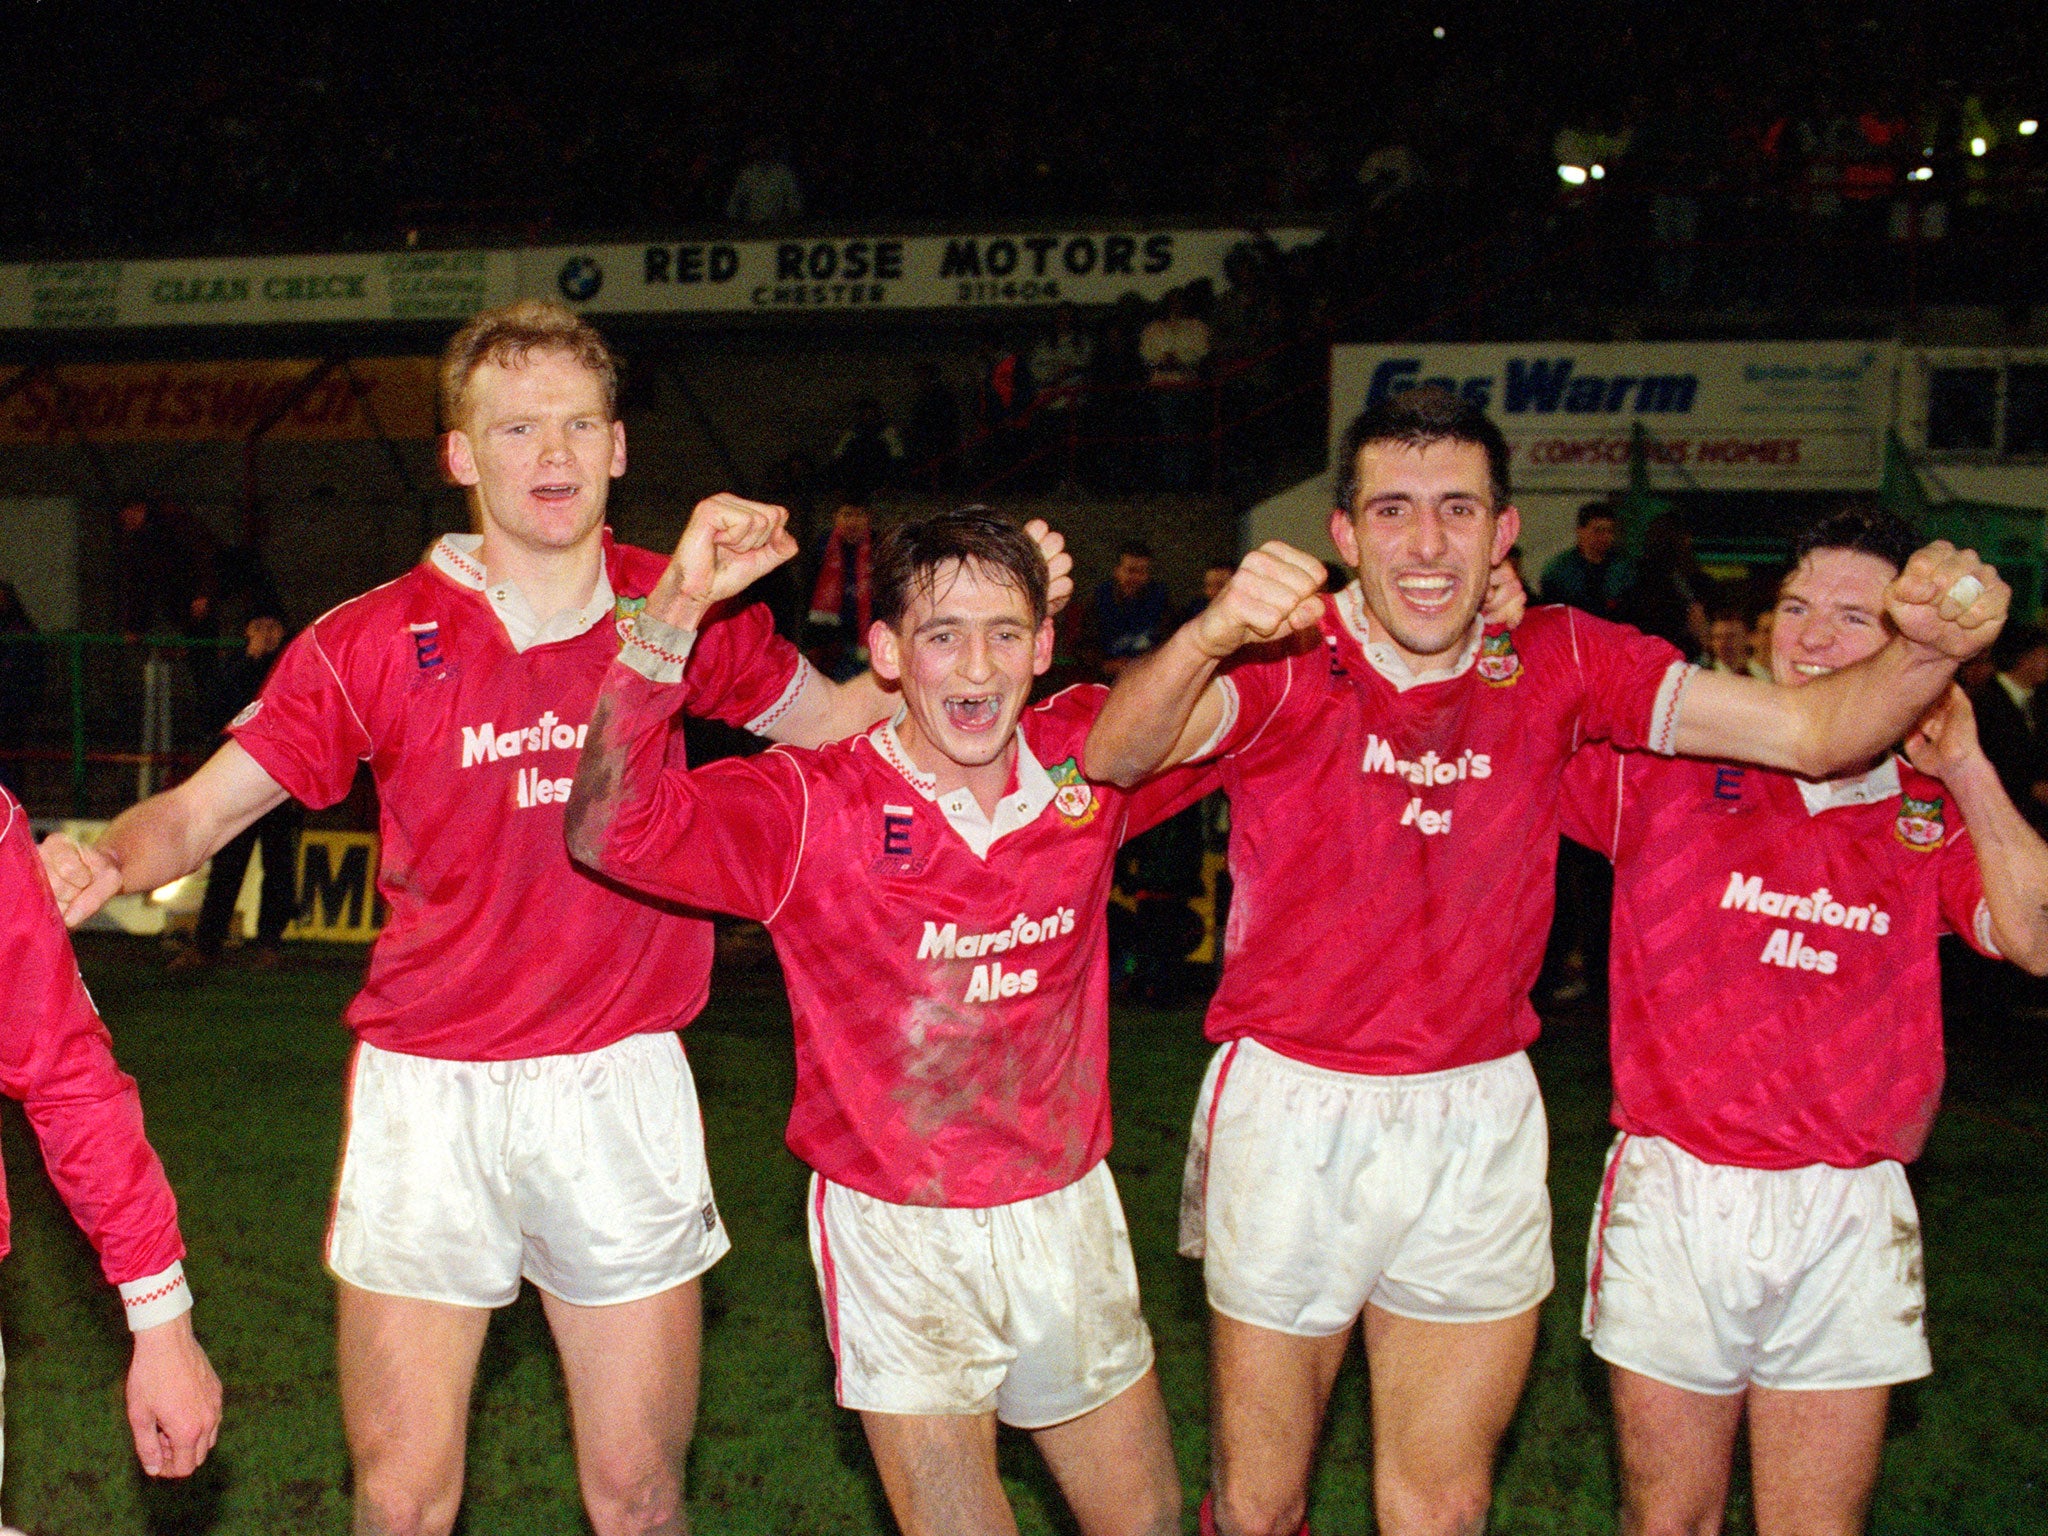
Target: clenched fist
(1949, 600)
(1275, 592)
(730, 544)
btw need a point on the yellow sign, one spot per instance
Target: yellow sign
(337, 888)
(220, 401)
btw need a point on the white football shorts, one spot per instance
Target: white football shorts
(1710, 1277)
(1310, 1193)
(1028, 1310)
(584, 1173)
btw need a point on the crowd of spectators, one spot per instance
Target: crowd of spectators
(1410, 128)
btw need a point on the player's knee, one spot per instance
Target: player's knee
(1441, 1509)
(397, 1506)
(1245, 1511)
(1638, 1519)
(1158, 1512)
(634, 1495)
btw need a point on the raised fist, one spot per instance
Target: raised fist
(1949, 600)
(1276, 591)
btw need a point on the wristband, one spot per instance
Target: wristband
(657, 651)
(157, 1298)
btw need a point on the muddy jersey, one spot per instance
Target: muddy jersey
(57, 1059)
(1776, 995)
(947, 971)
(1393, 838)
(495, 946)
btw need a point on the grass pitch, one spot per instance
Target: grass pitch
(242, 1077)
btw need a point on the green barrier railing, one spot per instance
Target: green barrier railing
(73, 645)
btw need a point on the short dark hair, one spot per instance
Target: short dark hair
(1864, 527)
(2013, 644)
(1137, 548)
(912, 555)
(1418, 417)
(1593, 511)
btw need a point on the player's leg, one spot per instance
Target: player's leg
(939, 1471)
(1813, 1458)
(1267, 1394)
(615, 1205)
(1442, 1395)
(406, 1368)
(1115, 1464)
(422, 1249)
(631, 1373)
(1295, 1196)
(1676, 1448)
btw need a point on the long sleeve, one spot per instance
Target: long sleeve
(57, 1058)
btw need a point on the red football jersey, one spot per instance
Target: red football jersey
(57, 1058)
(1393, 839)
(496, 946)
(1776, 996)
(947, 972)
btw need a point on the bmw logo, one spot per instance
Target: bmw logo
(580, 278)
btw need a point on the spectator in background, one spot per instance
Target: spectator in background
(2009, 718)
(230, 686)
(765, 191)
(1667, 597)
(1130, 612)
(1760, 644)
(1173, 347)
(1728, 641)
(842, 593)
(1215, 577)
(932, 437)
(1060, 363)
(163, 569)
(1116, 409)
(21, 682)
(869, 453)
(1588, 576)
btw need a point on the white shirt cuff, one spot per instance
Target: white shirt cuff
(1663, 734)
(157, 1298)
(655, 650)
(1224, 726)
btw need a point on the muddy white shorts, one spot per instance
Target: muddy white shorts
(1028, 1310)
(1709, 1277)
(1309, 1192)
(583, 1173)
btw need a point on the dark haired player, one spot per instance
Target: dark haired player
(1370, 1139)
(519, 1103)
(936, 889)
(1776, 1013)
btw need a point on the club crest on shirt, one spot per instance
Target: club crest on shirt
(1920, 826)
(1073, 796)
(1499, 664)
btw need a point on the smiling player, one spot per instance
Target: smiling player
(1370, 1141)
(1777, 1048)
(936, 891)
(519, 1104)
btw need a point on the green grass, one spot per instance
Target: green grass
(242, 1076)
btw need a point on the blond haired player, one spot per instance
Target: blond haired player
(519, 1103)
(1369, 1148)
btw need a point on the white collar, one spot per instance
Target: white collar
(459, 557)
(977, 829)
(1387, 661)
(2020, 696)
(1880, 783)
